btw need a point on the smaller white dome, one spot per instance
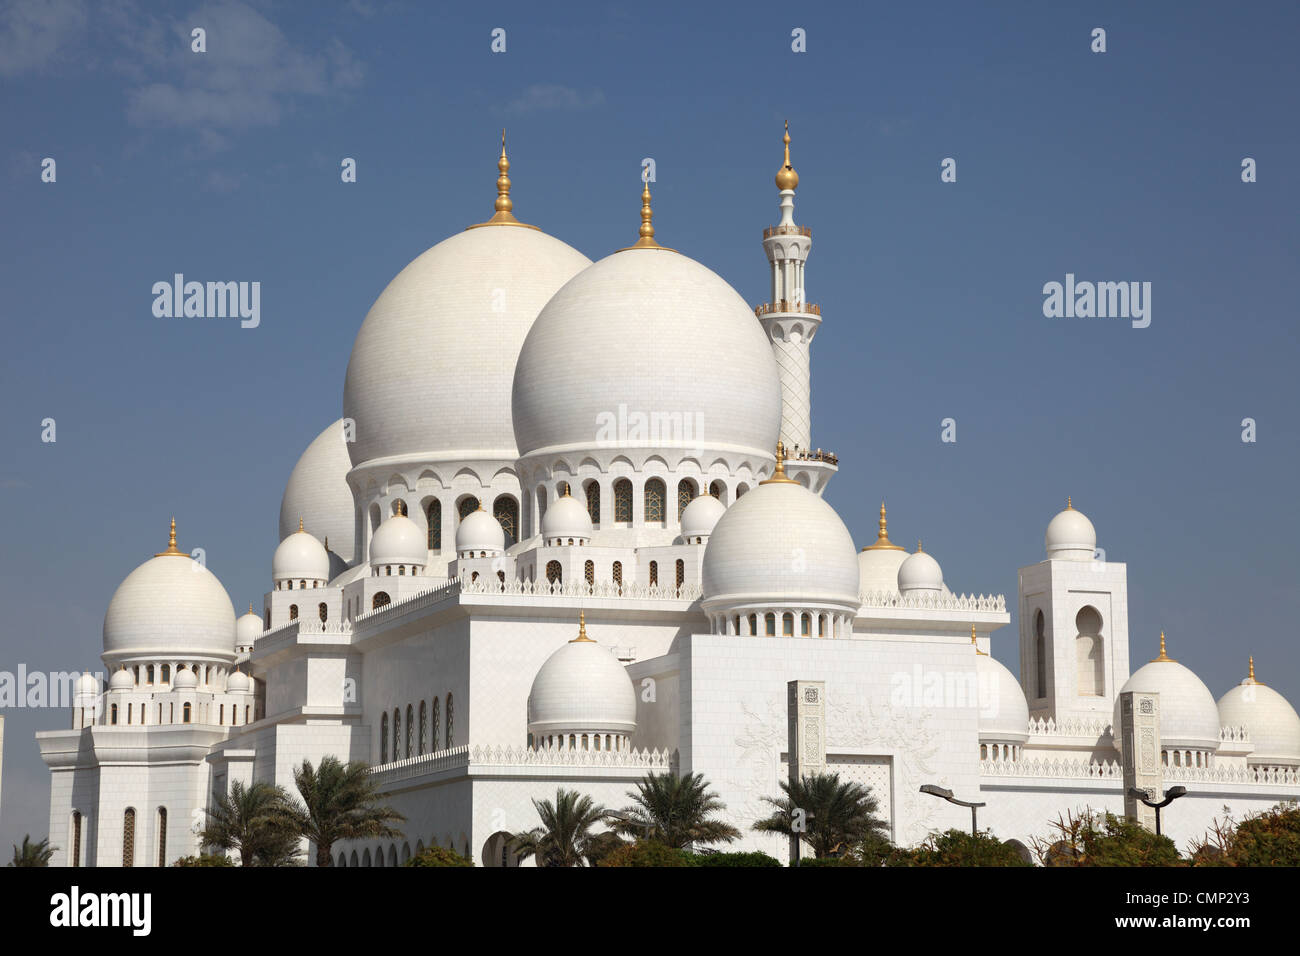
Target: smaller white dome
(1271, 721)
(1189, 717)
(1004, 712)
(399, 540)
(919, 572)
(582, 688)
(238, 683)
(479, 531)
(1071, 536)
(122, 679)
(248, 628)
(700, 516)
(300, 557)
(184, 679)
(878, 563)
(566, 518)
(87, 685)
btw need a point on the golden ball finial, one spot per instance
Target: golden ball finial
(1251, 677)
(1069, 503)
(300, 528)
(786, 177)
(1163, 655)
(504, 204)
(882, 539)
(582, 630)
(778, 473)
(171, 543)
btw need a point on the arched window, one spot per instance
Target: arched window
(383, 739)
(719, 490)
(401, 569)
(655, 493)
(1090, 653)
(468, 506)
(554, 574)
(450, 716)
(397, 733)
(753, 624)
(821, 625)
(506, 510)
(381, 599)
(681, 572)
(148, 674)
(410, 714)
(128, 837)
(166, 673)
(618, 573)
(787, 625)
(434, 722)
(75, 859)
(323, 611)
(805, 626)
(770, 622)
(740, 490)
(1040, 653)
(423, 722)
(433, 514)
(654, 573)
(162, 836)
(685, 495)
(112, 714)
(593, 501)
(187, 712)
(622, 500)
(589, 572)
(293, 612)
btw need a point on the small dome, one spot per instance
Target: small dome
(700, 517)
(1004, 712)
(878, 563)
(1270, 719)
(87, 685)
(919, 572)
(317, 492)
(122, 679)
(1189, 717)
(582, 688)
(184, 679)
(780, 543)
(399, 540)
(169, 606)
(479, 531)
(300, 557)
(566, 518)
(238, 683)
(1071, 536)
(248, 628)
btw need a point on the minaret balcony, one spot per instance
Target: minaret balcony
(785, 305)
(790, 229)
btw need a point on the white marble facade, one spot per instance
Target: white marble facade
(503, 371)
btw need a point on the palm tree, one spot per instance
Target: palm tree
(33, 854)
(250, 820)
(339, 802)
(564, 838)
(674, 811)
(824, 812)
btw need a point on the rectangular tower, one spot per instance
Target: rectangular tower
(1139, 738)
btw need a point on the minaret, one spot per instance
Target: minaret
(791, 322)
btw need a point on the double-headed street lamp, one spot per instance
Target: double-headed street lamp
(937, 791)
(1172, 794)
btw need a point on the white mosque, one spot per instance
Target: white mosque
(570, 531)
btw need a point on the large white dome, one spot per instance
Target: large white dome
(318, 493)
(780, 544)
(1004, 712)
(1189, 717)
(1272, 722)
(652, 333)
(582, 688)
(431, 368)
(169, 607)
(1071, 536)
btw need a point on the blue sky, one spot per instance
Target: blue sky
(1116, 166)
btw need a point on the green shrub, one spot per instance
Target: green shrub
(958, 848)
(827, 861)
(647, 853)
(438, 856)
(1268, 838)
(735, 859)
(1091, 839)
(205, 859)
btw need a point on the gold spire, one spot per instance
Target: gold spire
(300, 530)
(786, 177)
(882, 541)
(504, 204)
(171, 543)
(1069, 503)
(647, 240)
(918, 546)
(974, 642)
(582, 630)
(250, 607)
(1163, 656)
(1250, 678)
(778, 473)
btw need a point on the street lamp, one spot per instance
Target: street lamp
(1172, 794)
(938, 791)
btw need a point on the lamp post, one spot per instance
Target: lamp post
(937, 791)
(1172, 794)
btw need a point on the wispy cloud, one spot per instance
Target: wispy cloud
(32, 35)
(541, 97)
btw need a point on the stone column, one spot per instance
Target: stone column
(1139, 739)
(806, 716)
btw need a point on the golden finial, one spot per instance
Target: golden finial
(918, 546)
(1163, 656)
(882, 540)
(327, 542)
(647, 240)
(778, 473)
(300, 530)
(786, 177)
(582, 630)
(974, 642)
(171, 543)
(1250, 678)
(504, 216)
(250, 607)
(1069, 503)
